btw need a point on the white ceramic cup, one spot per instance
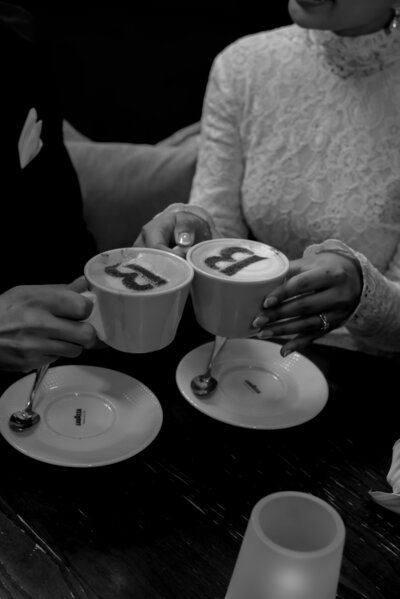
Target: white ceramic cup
(232, 278)
(139, 308)
(292, 549)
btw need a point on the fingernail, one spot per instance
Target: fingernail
(184, 238)
(286, 352)
(270, 301)
(266, 334)
(259, 321)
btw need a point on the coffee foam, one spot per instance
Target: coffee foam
(238, 259)
(134, 271)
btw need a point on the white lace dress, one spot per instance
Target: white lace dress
(300, 145)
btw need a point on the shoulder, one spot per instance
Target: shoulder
(19, 35)
(257, 47)
(17, 24)
(252, 61)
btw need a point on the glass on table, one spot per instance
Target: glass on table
(292, 549)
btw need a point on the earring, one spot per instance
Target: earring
(395, 22)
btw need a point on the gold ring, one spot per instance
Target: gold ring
(324, 322)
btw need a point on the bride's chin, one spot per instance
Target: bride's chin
(313, 14)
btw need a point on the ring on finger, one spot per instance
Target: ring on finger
(324, 322)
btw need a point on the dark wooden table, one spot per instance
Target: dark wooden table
(168, 523)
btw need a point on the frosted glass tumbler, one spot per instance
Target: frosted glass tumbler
(292, 549)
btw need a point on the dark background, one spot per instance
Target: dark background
(137, 71)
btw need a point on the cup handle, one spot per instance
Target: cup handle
(94, 318)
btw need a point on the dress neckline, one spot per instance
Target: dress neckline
(360, 56)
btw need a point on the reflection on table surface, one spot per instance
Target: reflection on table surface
(168, 522)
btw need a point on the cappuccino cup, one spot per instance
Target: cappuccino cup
(138, 297)
(231, 279)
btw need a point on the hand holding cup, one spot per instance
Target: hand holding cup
(177, 228)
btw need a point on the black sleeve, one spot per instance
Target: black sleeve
(43, 231)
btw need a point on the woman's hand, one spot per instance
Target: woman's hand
(320, 294)
(177, 228)
(40, 323)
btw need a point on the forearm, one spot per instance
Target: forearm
(377, 318)
(217, 182)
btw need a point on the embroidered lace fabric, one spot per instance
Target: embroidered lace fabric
(300, 145)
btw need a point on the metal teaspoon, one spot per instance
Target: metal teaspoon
(204, 384)
(23, 419)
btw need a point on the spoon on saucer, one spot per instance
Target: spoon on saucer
(204, 384)
(24, 419)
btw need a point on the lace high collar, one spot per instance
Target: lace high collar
(361, 55)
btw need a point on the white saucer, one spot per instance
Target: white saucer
(89, 416)
(257, 388)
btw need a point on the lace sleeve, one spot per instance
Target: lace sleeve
(376, 321)
(217, 181)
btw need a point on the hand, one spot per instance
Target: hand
(39, 323)
(177, 229)
(327, 284)
(80, 285)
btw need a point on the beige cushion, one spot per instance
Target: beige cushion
(125, 185)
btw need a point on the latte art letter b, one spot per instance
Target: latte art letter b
(129, 279)
(227, 255)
